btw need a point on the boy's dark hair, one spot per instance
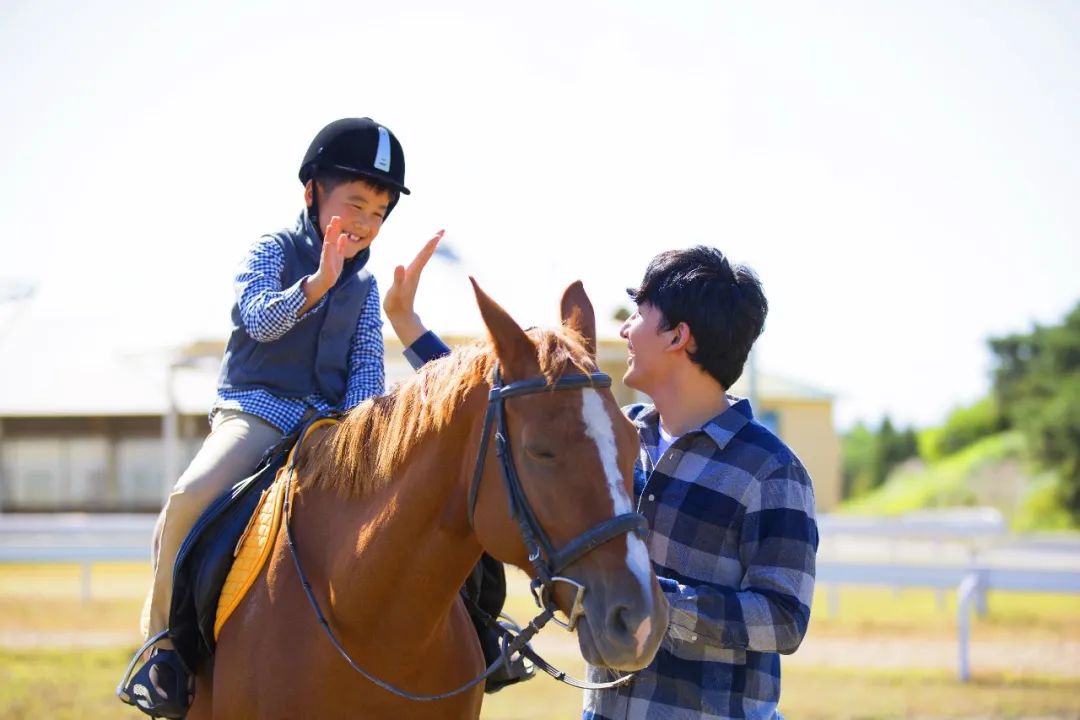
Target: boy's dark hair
(724, 307)
(330, 178)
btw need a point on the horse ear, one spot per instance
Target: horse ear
(577, 314)
(516, 352)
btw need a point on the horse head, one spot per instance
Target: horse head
(571, 453)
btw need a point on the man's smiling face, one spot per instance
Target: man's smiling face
(647, 344)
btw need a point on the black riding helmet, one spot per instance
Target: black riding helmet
(360, 146)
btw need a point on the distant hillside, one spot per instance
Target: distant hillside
(990, 472)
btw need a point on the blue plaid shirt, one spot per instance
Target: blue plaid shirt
(733, 541)
(269, 311)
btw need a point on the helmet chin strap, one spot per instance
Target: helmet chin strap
(313, 209)
(395, 196)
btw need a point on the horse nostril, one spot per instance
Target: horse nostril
(618, 621)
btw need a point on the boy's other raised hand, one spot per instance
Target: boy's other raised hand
(400, 298)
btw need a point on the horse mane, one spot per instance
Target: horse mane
(363, 452)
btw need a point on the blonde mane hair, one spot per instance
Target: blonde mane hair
(363, 452)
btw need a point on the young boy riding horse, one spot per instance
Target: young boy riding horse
(306, 339)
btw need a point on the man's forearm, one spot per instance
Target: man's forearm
(742, 620)
(408, 328)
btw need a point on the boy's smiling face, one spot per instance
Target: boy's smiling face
(361, 208)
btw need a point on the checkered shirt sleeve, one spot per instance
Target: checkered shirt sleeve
(267, 310)
(425, 348)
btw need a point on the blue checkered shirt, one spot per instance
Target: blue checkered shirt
(733, 541)
(269, 311)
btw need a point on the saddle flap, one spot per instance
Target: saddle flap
(206, 556)
(251, 552)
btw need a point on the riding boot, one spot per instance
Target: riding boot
(162, 688)
(485, 593)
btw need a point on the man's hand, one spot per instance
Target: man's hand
(331, 262)
(398, 300)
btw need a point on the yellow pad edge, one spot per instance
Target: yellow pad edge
(257, 540)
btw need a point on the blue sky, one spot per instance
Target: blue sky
(902, 175)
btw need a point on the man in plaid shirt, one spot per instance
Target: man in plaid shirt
(730, 507)
(733, 537)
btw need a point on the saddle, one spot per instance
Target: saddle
(224, 552)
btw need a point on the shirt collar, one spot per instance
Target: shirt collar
(648, 424)
(721, 428)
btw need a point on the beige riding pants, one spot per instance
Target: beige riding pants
(237, 441)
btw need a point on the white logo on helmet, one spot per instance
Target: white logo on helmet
(382, 155)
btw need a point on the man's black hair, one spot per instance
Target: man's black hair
(723, 306)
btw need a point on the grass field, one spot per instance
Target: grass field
(40, 605)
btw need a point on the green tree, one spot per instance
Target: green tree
(1037, 383)
(881, 458)
(893, 447)
(907, 446)
(964, 426)
(869, 457)
(858, 448)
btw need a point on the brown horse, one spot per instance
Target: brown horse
(386, 536)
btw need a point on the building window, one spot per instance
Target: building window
(140, 466)
(55, 473)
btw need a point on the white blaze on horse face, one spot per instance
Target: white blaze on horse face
(599, 427)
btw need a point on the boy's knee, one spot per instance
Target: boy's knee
(197, 490)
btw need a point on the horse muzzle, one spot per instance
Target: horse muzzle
(622, 629)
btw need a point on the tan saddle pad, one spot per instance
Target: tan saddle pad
(257, 540)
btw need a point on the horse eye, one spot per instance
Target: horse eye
(539, 453)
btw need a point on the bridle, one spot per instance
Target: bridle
(546, 561)
(536, 541)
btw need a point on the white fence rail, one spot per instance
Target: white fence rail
(988, 559)
(81, 539)
(970, 583)
(951, 525)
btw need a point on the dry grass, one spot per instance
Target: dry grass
(43, 601)
(30, 688)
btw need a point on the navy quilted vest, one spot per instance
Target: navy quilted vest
(313, 356)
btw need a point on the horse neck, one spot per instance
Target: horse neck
(395, 560)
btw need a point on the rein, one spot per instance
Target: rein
(547, 562)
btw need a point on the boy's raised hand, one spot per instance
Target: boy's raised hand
(400, 298)
(332, 259)
(331, 262)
